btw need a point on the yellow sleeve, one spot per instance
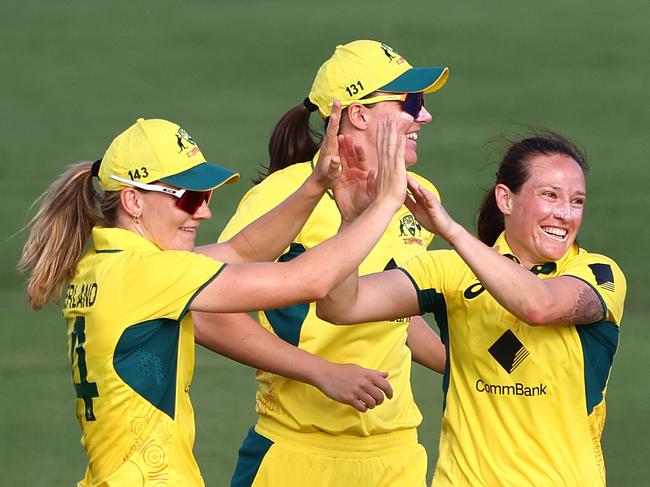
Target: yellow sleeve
(163, 284)
(605, 277)
(429, 273)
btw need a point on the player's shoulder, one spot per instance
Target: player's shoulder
(425, 183)
(278, 185)
(293, 174)
(594, 260)
(444, 258)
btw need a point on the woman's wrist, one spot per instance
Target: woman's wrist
(314, 186)
(455, 234)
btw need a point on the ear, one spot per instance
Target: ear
(503, 197)
(356, 114)
(132, 202)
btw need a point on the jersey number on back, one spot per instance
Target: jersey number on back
(85, 390)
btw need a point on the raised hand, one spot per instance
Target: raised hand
(328, 167)
(428, 211)
(355, 188)
(355, 386)
(391, 170)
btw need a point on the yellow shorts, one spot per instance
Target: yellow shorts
(321, 460)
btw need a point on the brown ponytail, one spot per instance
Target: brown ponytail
(293, 140)
(490, 220)
(60, 230)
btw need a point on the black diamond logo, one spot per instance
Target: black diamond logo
(509, 351)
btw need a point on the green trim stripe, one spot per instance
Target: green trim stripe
(430, 300)
(186, 308)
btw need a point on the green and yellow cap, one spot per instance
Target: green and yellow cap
(158, 150)
(362, 67)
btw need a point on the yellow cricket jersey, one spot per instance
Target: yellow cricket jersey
(131, 346)
(283, 403)
(524, 405)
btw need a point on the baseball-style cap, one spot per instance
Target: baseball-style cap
(158, 150)
(361, 67)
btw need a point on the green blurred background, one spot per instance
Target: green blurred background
(76, 73)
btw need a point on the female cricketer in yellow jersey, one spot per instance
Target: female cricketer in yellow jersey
(126, 301)
(302, 437)
(531, 324)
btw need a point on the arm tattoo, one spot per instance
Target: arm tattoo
(587, 309)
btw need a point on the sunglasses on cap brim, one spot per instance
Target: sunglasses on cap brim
(412, 103)
(187, 200)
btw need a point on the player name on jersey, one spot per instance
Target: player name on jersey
(80, 295)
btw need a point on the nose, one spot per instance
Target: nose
(203, 212)
(424, 116)
(562, 212)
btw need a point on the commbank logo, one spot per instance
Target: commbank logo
(508, 351)
(516, 389)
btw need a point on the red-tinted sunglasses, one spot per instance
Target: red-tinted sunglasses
(191, 201)
(187, 200)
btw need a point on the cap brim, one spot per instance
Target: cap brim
(202, 177)
(415, 80)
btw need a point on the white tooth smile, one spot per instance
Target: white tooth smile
(188, 229)
(413, 136)
(558, 233)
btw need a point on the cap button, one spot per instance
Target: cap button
(140, 120)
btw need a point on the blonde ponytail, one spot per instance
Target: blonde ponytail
(60, 230)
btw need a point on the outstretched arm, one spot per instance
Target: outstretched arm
(268, 236)
(240, 338)
(554, 301)
(313, 274)
(380, 296)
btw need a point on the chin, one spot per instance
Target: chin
(410, 161)
(554, 254)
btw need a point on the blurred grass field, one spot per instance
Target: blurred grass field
(77, 73)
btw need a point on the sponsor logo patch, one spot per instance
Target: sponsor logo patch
(508, 351)
(604, 275)
(410, 229)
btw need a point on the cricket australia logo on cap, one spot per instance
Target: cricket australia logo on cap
(183, 136)
(410, 229)
(391, 54)
(509, 351)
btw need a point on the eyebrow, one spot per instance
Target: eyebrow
(559, 188)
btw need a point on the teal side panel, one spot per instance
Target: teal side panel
(146, 359)
(434, 302)
(287, 322)
(251, 455)
(599, 344)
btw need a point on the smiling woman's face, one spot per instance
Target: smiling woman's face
(543, 218)
(166, 225)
